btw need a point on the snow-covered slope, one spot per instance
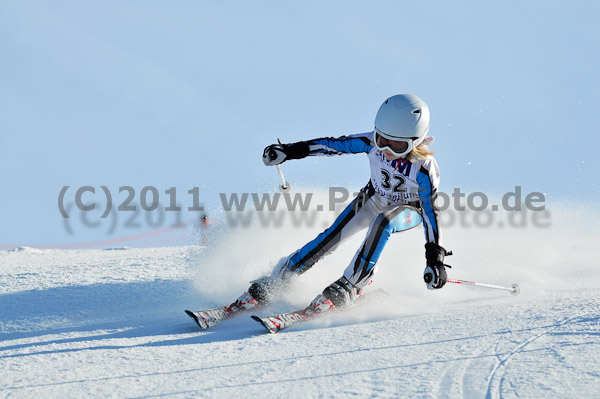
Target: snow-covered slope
(98, 323)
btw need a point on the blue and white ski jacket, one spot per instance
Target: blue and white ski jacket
(398, 182)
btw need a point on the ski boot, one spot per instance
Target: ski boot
(342, 292)
(264, 289)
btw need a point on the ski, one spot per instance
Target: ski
(318, 307)
(211, 317)
(278, 322)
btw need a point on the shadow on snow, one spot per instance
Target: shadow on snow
(102, 312)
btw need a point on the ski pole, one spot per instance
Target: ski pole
(285, 186)
(514, 289)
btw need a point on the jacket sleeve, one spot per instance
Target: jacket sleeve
(352, 144)
(428, 178)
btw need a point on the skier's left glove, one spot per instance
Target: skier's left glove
(435, 273)
(435, 277)
(276, 154)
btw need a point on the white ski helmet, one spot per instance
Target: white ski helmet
(403, 122)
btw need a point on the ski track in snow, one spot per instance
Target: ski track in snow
(96, 323)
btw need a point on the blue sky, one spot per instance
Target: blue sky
(188, 94)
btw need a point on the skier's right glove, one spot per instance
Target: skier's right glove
(435, 273)
(276, 154)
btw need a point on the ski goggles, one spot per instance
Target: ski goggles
(399, 146)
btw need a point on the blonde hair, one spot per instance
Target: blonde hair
(421, 152)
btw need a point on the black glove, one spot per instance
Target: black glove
(276, 154)
(435, 273)
(435, 277)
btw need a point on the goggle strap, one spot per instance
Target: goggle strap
(428, 140)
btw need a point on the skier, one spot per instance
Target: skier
(400, 194)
